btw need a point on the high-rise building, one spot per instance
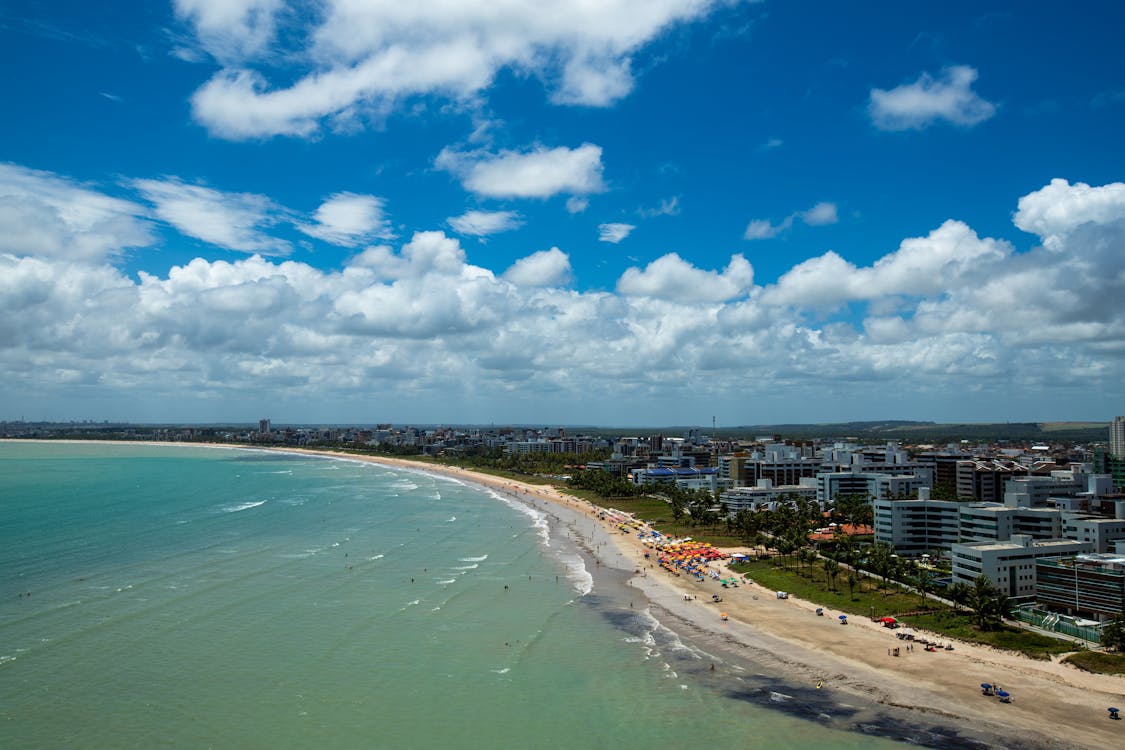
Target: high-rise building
(263, 427)
(1117, 437)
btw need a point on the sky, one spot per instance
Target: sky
(610, 212)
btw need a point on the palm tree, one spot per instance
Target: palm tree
(853, 579)
(880, 561)
(831, 570)
(959, 594)
(988, 603)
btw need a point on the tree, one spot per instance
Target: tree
(853, 579)
(959, 594)
(1113, 634)
(831, 570)
(988, 603)
(881, 562)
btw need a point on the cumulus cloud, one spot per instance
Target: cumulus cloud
(44, 214)
(484, 223)
(234, 221)
(673, 278)
(356, 60)
(538, 173)
(614, 232)
(920, 266)
(349, 220)
(964, 318)
(819, 215)
(1059, 209)
(544, 268)
(914, 106)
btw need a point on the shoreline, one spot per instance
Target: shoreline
(938, 693)
(930, 698)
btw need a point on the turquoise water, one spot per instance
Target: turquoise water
(194, 597)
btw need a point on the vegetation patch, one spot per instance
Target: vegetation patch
(1098, 661)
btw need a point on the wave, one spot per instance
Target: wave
(577, 574)
(243, 506)
(482, 558)
(474, 566)
(445, 581)
(451, 519)
(375, 557)
(505, 670)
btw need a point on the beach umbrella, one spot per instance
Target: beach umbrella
(843, 617)
(986, 686)
(1003, 693)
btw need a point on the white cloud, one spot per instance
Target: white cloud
(231, 29)
(667, 207)
(951, 316)
(349, 220)
(538, 173)
(230, 220)
(544, 268)
(576, 204)
(614, 232)
(914, 106)
(1057, 210)
(763, 229)
(357, 60)
(819, 215)
(920, 266)
(46, 215)
(673, 278)
(484, 223)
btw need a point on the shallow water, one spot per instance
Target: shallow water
(155, 595)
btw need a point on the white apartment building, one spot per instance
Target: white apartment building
(1102, 533)
(1117, 437)
(830, 485)
(765, 495)
(992, 522)
(1034, 492)
(1009, 565)
(916, 527)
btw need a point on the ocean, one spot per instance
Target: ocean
(160, 596)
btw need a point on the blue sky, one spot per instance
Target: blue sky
(626, 212)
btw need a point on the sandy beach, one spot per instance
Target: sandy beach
(1054, 705)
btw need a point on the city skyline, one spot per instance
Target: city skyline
(619, 213)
